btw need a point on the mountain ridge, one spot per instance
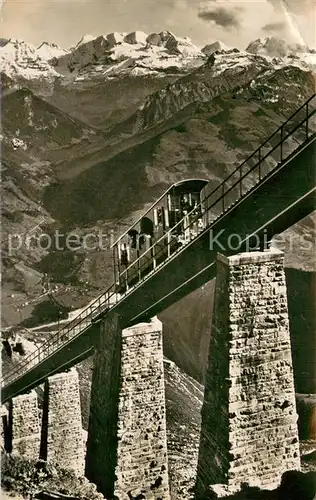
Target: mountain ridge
(104, 55)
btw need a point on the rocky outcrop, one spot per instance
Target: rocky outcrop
(115, 38)
(203, 85)
(136, 37)
(214, 47)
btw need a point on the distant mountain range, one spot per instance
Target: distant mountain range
(135, 53)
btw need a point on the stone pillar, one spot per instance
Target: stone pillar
(249, 422)
(62, 435)
(127, 445)
(25, 426)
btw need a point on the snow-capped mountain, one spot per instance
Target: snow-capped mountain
(275, 47)
(283, 53)
(136, 54)
(21, 59)
(86, 38)
(139, 52)
(48, 51)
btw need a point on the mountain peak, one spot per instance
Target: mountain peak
(18, 58)
(4, 41)
(214, 47)
(85, 39)
(115, 38)
(275, 47)
(136, 37)
(49, 50)
(49, 44)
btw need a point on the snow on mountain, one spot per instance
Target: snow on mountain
(174, 44)
(141, 53)
(281, 53)
(21, 59)
(275, 47)
(136, 53)
(136, 37)
(84, 39)
(48, 50)
(217, 46)
(115, 38)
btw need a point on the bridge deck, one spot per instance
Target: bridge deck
(271, 190)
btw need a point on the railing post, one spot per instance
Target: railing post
(259, 164)
(168, 243)
(126, 280)
(307, 120)
(154, 258)
(223, 197)
(281, 145)
(138, 266)
(240, 181)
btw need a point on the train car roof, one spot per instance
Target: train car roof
(180, 187)
(188, 185)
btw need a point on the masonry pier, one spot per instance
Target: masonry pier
(24, 426)
(249, 421)
(62, 437)
(127, 445)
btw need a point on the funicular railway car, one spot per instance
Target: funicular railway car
(169, 223)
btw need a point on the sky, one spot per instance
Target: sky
(234, 22)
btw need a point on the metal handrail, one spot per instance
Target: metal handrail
(104, 300)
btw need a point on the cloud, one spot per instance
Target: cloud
(276, 27)
(223, 16)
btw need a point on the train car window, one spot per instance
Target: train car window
(147, 242)
(166, 214)
(161, 217)
(169, 202)
(185, 203)
(133, 234)
(141, 241)
(147, 226)
(172, 219)
(124, 255)
(155, 217)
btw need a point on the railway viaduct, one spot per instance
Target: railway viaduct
(249, 422)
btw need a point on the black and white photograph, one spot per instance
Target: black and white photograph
(158, 249)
